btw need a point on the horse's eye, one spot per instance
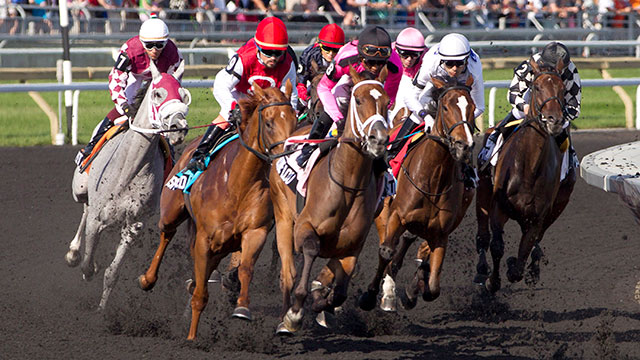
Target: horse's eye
(268, 124)
(358, 102)
(445, 107)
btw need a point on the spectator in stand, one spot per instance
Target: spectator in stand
(146, 7)
(13, 13)
(43, 24)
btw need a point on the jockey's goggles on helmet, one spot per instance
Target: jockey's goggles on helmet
(329, 49)
(154, 44)
(373, 50)
(271, 53)
(452, 63)
(408, 53)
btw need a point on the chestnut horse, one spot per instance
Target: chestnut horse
(430, 201)
(526, 183)
(229, 203)
(340, 206)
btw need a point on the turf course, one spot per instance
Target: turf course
(23, 123)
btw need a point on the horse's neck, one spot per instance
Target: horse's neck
(140, 143)
(247, 165)
(349, 165)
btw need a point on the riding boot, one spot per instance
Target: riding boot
(319, 130)
(492, 139)
(104, 126)
(401, 139)
(209, 139)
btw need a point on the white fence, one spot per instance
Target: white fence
(492, 85)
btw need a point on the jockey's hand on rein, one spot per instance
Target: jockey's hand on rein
(196, 165)
(235, 116)
(128, 110)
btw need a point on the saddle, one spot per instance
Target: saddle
(166, 149)
(184, 179)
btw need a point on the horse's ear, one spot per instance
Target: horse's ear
(534, 66)
(469, 81)
(155, 74)
(560, 66)
(288, 89)
(355, 77)
(383, 74)
(185, 95)
(438, 82)
(257, 90)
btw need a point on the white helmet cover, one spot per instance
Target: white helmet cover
(154, 30)
(454, 47)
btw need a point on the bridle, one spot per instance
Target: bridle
(539, 116)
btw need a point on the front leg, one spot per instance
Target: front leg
(252, 244)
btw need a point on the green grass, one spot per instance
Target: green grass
(24, 124)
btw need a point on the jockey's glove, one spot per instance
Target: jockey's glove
(422, 113)
(128, 110)
(235, 116)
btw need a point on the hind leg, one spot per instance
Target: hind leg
(92, 235)
(498, 219)
(111, 273)
(343, 270)
(530, 237)
(73, 255)
(483, 236)
(252, 244)
(533, 274)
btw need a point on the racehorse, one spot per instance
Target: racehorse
(526, 183)
(340, 206)
(229, 202)
(430, 201)
(123, 185)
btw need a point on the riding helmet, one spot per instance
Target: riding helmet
(154, 30)
(271, 34)
(379, 43)
(454, 47)
(331, 36)
(410, 39)
(553, 52)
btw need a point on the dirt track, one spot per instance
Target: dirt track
(583, 307)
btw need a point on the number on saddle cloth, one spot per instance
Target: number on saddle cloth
(184, 179)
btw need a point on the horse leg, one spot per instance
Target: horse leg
(343, 270)
(320, 287)
(533, 275)
(93, 230)
(515, 266)
(148, 280)
(388, 238)
(562, 199)
(498, 219)
(437, 251)
(111, 273)
(203, 264)
(72, 257)
(252, 244)
(231, 280)
(284, 240)
(310, 250)
(483, 236)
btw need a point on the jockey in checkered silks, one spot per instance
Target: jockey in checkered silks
(519, 95)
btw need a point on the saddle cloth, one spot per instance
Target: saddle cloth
(396, 162)
(287, 167)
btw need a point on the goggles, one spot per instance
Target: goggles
(452, 63)
(408, 53)
(154, 44)
(372, 63)
(271, 53)
(329, 49)
(373, 50)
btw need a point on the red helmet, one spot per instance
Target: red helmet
(271, 34)
(331, 36)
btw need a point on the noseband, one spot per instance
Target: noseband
(358, 127)
(267, 154)
(447, 140)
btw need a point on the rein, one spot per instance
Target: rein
(539, 108)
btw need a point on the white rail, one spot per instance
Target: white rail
(492, 85)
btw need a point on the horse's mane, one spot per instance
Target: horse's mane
(137, 100)
(449, 82)
(249, 104)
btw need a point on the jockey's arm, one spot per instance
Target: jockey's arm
(328, 100)
(118, 80)
(518, 89)
(392, 83)
(420, 93)
(477, 92)
(224, 86)
(573, 91)
(291, 76)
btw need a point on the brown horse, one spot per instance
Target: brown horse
(526, 184)
(431, 199)
(340, 206)
(229, 202)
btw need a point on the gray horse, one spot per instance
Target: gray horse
(124, 184)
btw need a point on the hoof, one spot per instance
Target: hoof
(418, 262)
(480, 279)
(282, 330)
(242, 312)
(513, 274)
(190, 285)
(144, 284)
(388, 303)
(493, 286)
(407, 302)
(215, 277)
(326, 319)
(429, 296)
(367, 301)
(293, 321)
(316, 286)
(72, 258)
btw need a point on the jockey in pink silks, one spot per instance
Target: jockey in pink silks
(369, 54)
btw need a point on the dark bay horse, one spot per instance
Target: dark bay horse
(431, 199)
(229, 203)
(525, 185)
(340, 206)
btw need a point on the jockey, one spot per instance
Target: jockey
(330, 40)
(411, 48)
(132, 69)
(519, 94)
(266, 60)
(369, 54)
(452, 57)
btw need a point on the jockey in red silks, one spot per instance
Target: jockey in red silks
(132, 69)
(370, 53)
(266, 60)
(330, 40)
